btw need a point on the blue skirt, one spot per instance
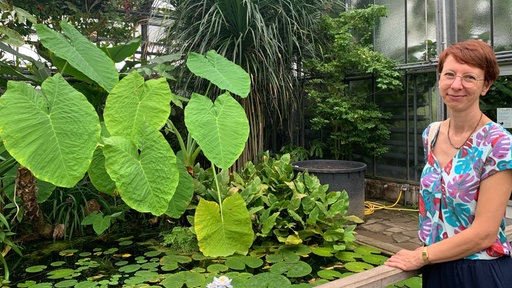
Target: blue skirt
(469, 273)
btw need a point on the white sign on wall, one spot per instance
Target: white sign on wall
(504, 117)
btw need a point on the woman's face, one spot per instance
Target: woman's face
(461, 85)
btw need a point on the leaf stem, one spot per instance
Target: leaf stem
(218, 191)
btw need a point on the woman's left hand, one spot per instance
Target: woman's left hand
(407, 260)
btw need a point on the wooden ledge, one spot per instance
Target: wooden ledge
(378, 277)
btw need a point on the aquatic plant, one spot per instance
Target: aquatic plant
(220, 282)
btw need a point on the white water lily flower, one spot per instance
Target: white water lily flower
(221, 282)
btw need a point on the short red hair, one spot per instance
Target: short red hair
(474, 53)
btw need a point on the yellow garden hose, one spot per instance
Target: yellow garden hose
(371, 207)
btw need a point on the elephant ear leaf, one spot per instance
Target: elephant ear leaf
(220, 128)
(145, 171)
(184, 193)
(80, 53)
(135, 103)
(220, 71)
(54, 134)
(227, 234)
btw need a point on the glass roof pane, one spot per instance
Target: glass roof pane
(421, 30)
(502, 25)
(474, 20)
(390, 33)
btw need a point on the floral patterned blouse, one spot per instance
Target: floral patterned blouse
(448, 196)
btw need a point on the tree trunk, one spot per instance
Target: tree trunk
(26, 190)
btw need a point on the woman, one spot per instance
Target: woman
(466, 182)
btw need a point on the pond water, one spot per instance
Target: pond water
(141, 261)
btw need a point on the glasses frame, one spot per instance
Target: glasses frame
(467, 80)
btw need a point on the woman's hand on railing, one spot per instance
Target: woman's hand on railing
(408, 260)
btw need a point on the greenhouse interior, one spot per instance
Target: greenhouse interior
(166, 143)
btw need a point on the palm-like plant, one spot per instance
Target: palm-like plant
(268, 38)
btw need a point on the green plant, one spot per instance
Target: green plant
(100, 222)
(286, 207)
(97, 19)
(268, 38)
(69, 209)
(126, 153)
(181, 239)
(6, 244)
(71, 123)
(297, 153)
(499, 96)
(350, 121)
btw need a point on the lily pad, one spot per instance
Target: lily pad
(184, 279)
(150, 266)
(292, 269)
(68, 252)
(39, 285)
(86, 284)
(141, 260)
(169, 266)
(149, 276)
(28, 283)
(215, 268)
(121, 263)
(152, 253)
(268, 280)
(365, 250)
(375, 259)
(175, 258)
(111, 250)
(279, 257)
(240, 262)
(357, 266)
(126, 243)
(347, 256)
(329, 274)
(134, 281)
(66, 283)
(35, 269)
(62, 273)
(130, 268)
(323, 251)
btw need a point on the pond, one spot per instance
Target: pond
(142, 261)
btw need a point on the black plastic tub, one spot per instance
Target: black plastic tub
(340, 175)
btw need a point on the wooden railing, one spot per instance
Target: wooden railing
(381, 276)
(377, 277)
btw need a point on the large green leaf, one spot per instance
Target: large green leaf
(227, 234)
(145, 171)
(221, 128)
(39, 70)
(100, 223)
(220, 71)
(134, 103)
(54, 135)
(80, 53)
(121, 52)
(11, 37)
(98, 174)
(184, 193)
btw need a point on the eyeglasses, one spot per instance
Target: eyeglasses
(467, 80)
